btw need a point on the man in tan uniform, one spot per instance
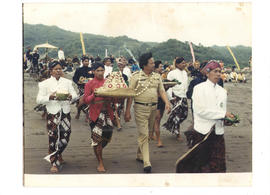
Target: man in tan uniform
(147, 85)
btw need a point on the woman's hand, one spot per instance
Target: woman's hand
(53, 96)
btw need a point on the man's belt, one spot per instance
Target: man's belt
(146, 104)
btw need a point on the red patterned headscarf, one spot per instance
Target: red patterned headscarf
(211, 65)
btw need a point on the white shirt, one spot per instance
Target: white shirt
(108, 70)
(49, 86)
(127, 71)
(209, 106)
(178, 90)
(61, 55)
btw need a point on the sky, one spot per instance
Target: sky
(210, 24)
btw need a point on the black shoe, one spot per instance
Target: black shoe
(139, 160)
(147, 169)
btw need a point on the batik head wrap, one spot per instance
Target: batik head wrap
(211, 65)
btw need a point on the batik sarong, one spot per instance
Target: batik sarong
(178, 114)
(101, 129)
(118, 107)
(59, 129)
(205, 156)
(83, 107)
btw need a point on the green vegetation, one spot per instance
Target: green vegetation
(96, 45)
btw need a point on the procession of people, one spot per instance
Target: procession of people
(152, 98)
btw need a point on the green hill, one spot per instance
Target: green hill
(96, 45)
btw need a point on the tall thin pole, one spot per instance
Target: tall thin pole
(82, 42)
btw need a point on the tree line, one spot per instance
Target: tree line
(96, 45)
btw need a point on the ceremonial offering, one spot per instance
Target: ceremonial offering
(169, 83)
(231, 121)
(62, 95)
(115, 86)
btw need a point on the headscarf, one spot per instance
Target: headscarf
(211, 65)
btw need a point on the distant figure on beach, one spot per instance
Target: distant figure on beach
(178, 98)
(81, 76)
(160, 110)
(108, 67)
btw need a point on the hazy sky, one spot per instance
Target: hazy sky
(205, 23)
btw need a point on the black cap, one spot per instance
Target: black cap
(53, 64)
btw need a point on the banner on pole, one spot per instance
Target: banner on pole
(233, 57)
(192, 52)
(83, 48)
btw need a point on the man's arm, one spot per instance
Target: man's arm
(127, 112)
(163, 96)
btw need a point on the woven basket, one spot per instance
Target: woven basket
(121, 92)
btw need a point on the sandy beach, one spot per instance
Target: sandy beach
(119, 155)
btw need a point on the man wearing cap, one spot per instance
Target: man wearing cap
(178, 98)
(81, 77)
(147, 85)
(209, 106)
(58, 119)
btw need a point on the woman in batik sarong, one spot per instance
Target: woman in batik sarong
(100, 114)
(58, 118)
(209, 106)
(178, 98)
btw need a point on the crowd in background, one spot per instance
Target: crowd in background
(32, 63)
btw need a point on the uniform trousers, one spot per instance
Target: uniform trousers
(145, 119)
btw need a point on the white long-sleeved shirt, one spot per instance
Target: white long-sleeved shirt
(61, 55)
(209, 106)
(108, 70)
(178, 90)
(51, 85)
(127, 71)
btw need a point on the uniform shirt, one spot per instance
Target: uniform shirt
(61, 55)
(49, 86)
(178, 90)
(90, 98)
(108, 70)
(209, 106)
(154, 83)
